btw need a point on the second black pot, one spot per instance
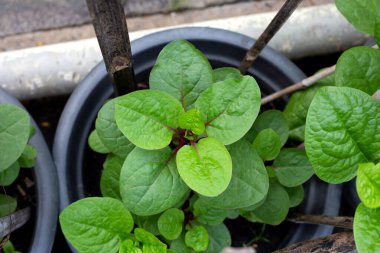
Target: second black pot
(222, 48)
(46, 185)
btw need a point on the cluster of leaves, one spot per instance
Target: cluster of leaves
(340, 123)
(184, 156)
(15, 152)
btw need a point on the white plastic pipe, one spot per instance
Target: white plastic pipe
(57, 69)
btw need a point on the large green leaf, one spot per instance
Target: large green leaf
(267, 144)
(219, 238)
(108, 132)
(9, 175)
(342, 130)
(7, 205)
(197, 238)
(230, 108)
(275, 208)
(96, 224)
(109, 181)
(182, 71)
(272, 119)
(14, 134)
(292, 167)
(296, 109)
(359, 68)
(368, 184)
(149, 181)
(148, 117)
(205, 167)
(367, 229)
(170, 223)
(363, 14)
(249, 176)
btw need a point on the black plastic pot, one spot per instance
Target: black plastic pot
(222, 48)
(46, 184)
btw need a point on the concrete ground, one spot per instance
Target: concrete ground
(29, 23)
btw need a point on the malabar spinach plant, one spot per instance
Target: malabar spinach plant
(15, 152)
(340, 123)
(182, 157)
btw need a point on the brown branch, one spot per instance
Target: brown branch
(307, 82)
(283, 14)
(111, 31)
(13, 221)
(336, 221)
(335, 243)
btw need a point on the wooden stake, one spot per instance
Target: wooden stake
(111, 30)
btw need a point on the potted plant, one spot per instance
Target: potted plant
(17, 129)
(71, 138)
(191, 132)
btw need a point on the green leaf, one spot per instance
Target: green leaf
(249, 176)
(205, 167)
(272, 119)
(109, 181)
(108, 132)
(179, 246)
(207, 214)
(192, 120)
(197, 238)
(149, 223)
(151, 244)
(219, 238)
(170, 223)
(9, 175)
(9, 248)
(147, 118)
(359, 68)
(296, 109)
(275, 208)
(229, 108)
(292, 167)
(128, 246)
(149, 181)
(182, 71)
(28, 157)
(14, 134)
(224, 73)
(368, 184)
(367, 229)
(267, 144)
(361, 14)
(96, 224)
(342, 130)
(296, 195)
(7, 205)
(96, 144)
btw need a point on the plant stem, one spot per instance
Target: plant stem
(336, 221)
(339, 242)
(13, 221)
(111, 30)
(283, 14)
(307, 82)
